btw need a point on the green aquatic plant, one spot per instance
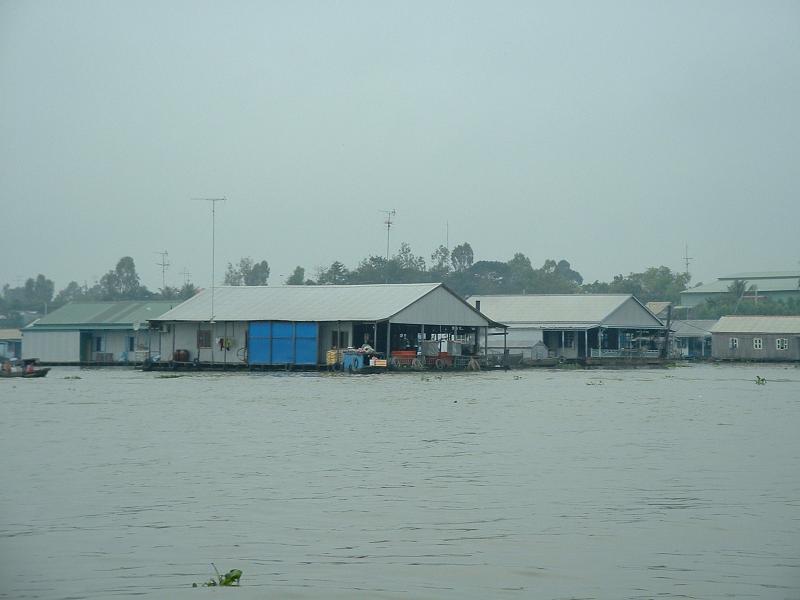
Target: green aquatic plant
(230, 578)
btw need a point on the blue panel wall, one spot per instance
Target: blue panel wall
(281, 343)
(305, 335)
(259, 338)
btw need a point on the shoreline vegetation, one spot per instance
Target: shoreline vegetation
(456, 268)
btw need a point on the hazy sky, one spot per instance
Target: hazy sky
(606, 133)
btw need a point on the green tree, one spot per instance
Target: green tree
(122, 283)
(462, 257)
(298, 277)
(247, 272)
(440, 261)
(72, 293)
(337, 273)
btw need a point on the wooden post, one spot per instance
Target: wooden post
(486, 342)
(586, 343)
(389, 342)
(599, 342)
(665, 351)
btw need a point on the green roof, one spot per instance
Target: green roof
(103, 315)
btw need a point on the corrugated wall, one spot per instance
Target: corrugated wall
(52, 346)
(439, 307)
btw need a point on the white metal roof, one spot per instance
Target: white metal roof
(748, 324)
(777, 284)
(563, 311)
(322, 303)
(763, 275)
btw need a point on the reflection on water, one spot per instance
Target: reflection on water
(529, 484)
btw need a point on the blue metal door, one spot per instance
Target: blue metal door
(259, 342)
(282, 343)
(305, 340)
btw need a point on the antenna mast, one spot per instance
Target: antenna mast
(388, 222)
(687, 258)
(213, 202)
(163, 264)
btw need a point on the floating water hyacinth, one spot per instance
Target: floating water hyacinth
(230, 578)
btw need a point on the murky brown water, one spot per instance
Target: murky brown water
(529, 484)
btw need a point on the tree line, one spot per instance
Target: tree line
(456, 268)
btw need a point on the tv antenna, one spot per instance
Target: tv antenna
(687, 258)
(163, 264)
(213, 202)
(388, 222)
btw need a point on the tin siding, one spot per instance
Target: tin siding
(720, 347)
(633, 315)
(439, 307)
(52, 346)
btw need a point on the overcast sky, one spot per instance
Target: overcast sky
(606, 133)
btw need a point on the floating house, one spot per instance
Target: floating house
(93, 333)
(10, 343)
(756, 338)
(692, 338)
(287, 326)
(580, 327)
(760, 285)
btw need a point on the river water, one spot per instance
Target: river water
(675, 483)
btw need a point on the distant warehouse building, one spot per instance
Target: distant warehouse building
(772, 285)
(297, 325)
(93, 333)
(756, 339)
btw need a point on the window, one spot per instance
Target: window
(782, 344)
(204, 338)
(733, 344)
(99, 344)
(757, 344)
(130, 346)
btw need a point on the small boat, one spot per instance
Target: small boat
(27, 369)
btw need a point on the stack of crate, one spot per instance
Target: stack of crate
(333, 357)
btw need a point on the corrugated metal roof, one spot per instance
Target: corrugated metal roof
(319, 303)
(692, 328)
(763, 275)
(540, 309)
(657, 307)
(762, 285)
(10, 334)
(748, 324)
(103, 315)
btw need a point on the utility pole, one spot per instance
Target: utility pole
(388, 222)
(213, 202)
(163, 264)
(447, 235)
(186, 275)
